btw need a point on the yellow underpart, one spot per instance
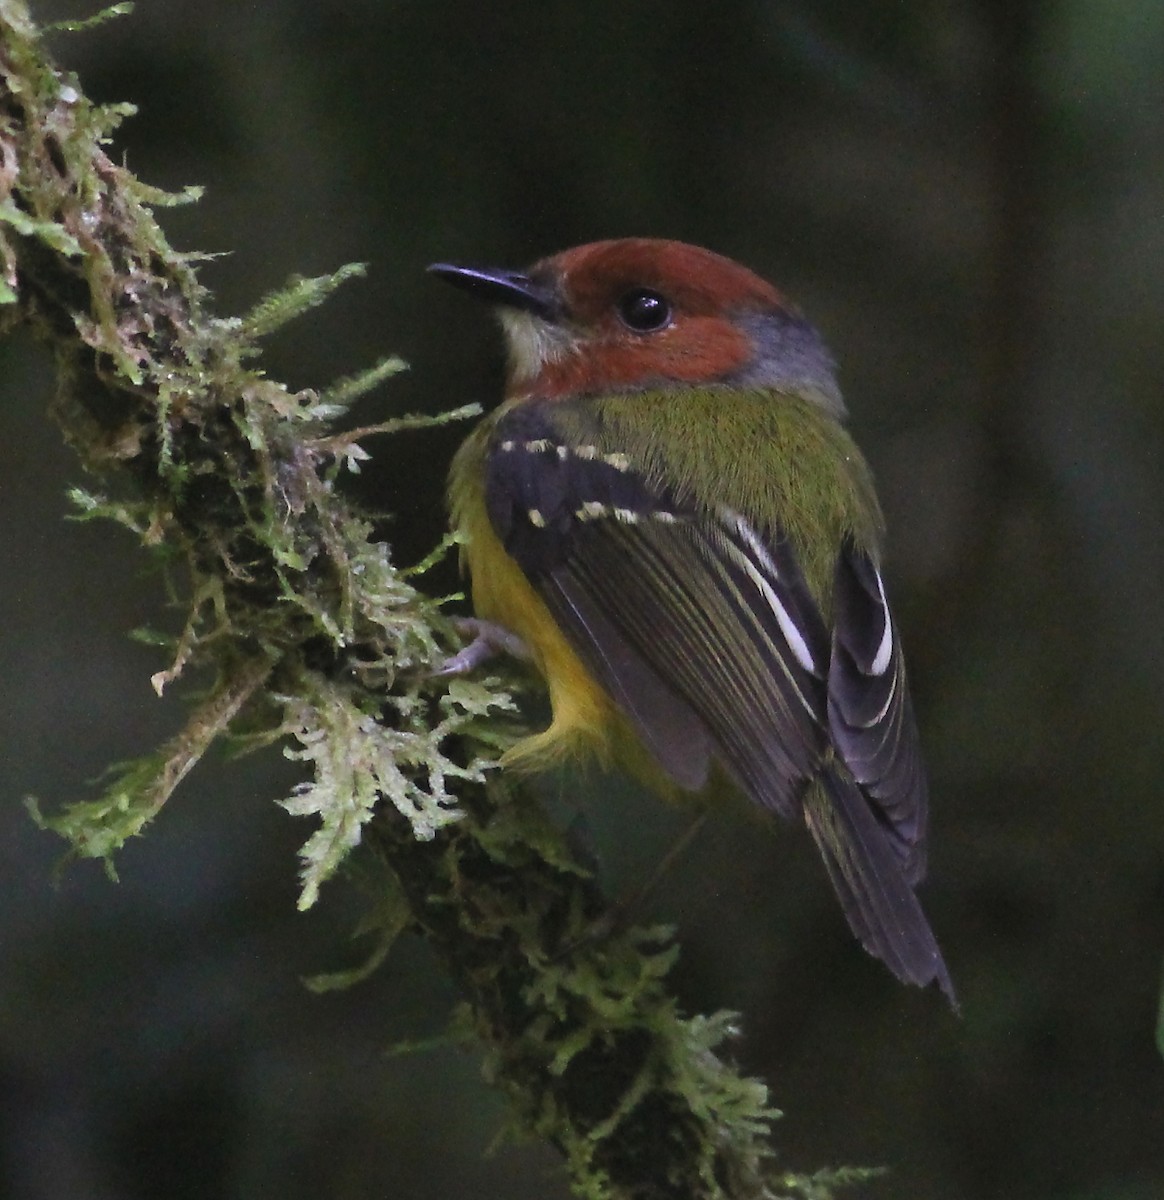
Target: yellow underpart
(780, 460)
(585, 720)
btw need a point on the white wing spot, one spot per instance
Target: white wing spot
(592, 510)
(563, 452)
(586, 451)
(627, 516)
(536, 519)
(619, 461)
(875, 721)
(750, 536)
(537, 446)
(508, 445)
(792, 635)
(885, 649)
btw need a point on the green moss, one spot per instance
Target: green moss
(313, 639)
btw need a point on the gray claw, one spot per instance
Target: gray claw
(489, 640)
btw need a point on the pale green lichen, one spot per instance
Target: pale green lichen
(359, 760)
(311, 636)
(122, 9)
(48, 232)
(231, 481)
(99, 828)
(300, 296)
(345, 392)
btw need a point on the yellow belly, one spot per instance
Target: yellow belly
(585, 719)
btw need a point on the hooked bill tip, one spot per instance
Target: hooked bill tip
(510, 289)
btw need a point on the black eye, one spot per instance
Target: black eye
(644, 311)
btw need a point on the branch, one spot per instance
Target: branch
(314, 639)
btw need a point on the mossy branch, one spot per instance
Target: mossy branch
(313, 638)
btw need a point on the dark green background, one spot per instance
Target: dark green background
(968, 198)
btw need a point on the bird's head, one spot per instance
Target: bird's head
(637, 313)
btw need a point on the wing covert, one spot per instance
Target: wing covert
(703, 630)
(663, 599)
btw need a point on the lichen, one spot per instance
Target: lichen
(312, 638)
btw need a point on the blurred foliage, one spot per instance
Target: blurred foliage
(965, 196)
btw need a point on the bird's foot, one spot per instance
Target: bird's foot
(489, 640)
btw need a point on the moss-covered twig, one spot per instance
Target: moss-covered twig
(311, 636)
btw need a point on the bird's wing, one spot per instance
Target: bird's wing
(668, 602)
(704, 631)
(870, 715)
(869, 819)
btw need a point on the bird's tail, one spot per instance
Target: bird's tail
(867, 875)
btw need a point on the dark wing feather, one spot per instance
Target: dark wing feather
(701, 624)
(870, 714)
(670, 728)
(668, 607)
(882, 910)
(705, 633)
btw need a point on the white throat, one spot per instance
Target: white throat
(533, 343)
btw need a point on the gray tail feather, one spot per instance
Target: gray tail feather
(867, 875)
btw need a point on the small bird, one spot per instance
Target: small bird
(667, 516)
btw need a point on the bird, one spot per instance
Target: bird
(667, 517)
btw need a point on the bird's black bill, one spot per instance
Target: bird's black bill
(496, 286)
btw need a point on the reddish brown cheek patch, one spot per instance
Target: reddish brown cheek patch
(693, 350)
